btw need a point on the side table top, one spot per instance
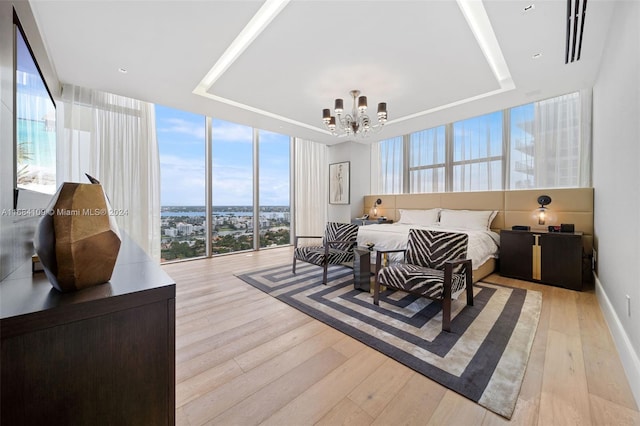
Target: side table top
(364, 222)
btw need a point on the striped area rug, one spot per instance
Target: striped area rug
(483, 358)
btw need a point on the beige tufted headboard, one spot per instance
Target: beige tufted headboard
(569, 205)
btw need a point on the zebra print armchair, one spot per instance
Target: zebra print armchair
(337, 247)
(435, 267)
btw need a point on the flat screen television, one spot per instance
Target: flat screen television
(34, 127)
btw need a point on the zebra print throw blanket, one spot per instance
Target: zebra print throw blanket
(483, 358)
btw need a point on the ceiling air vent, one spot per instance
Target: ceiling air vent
(576, 13)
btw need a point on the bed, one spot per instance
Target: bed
(513, 207)
(484, 244)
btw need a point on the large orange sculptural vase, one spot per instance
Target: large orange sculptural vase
(78, 240)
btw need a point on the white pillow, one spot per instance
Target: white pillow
(477, 220)
(419, 217)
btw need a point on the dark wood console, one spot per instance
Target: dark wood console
(102, 355)
(548, 257)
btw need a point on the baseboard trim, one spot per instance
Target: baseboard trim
(628, 356)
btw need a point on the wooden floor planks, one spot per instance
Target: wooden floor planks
(244, 358)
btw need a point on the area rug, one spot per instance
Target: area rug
(483, 358)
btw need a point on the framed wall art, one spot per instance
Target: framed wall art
(339, 181)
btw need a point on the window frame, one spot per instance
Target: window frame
(504, 159)
(256, 207)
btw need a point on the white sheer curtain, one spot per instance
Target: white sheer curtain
(562, 137)
(375, 168)
(113, 138)
(387, 165)
(311, 188)
(477, 147)
(427, 156)
(586, 147)
(547, 145)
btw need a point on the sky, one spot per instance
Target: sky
(181, 141)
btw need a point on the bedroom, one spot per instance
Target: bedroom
(615, 135)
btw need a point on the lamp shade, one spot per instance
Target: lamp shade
(375, 207)
(543, 215)
(540, 215)
(362, 102)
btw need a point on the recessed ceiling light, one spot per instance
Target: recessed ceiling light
(537, 55)
(122, 70)
(529, 8)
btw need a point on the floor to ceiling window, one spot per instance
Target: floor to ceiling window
(232, 187)
(181, 143)
(249, 186)
(274, 192)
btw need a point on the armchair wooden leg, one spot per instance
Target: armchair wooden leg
(446, 314)
(324, 274)
(469, 291)
(293, 268)
(446, 300)
(376, 291)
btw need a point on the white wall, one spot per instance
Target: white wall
(16, 233)
(616, 179)
(359, 155)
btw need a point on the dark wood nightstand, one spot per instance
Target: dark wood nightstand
(548, 257)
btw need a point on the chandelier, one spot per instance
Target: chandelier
(356, 123)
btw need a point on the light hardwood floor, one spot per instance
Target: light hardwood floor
(244, 358)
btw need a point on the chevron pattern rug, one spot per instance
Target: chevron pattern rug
(484, 358)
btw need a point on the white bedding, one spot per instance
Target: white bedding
(483, 245)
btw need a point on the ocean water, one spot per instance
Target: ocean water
(38, 142)
(36, 155)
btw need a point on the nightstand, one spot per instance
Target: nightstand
(548, 257)
(363, 222)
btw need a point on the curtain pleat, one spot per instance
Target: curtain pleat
(559, 142)
(586, 105)
(311, 188)
(113, 138)
(389, 155)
